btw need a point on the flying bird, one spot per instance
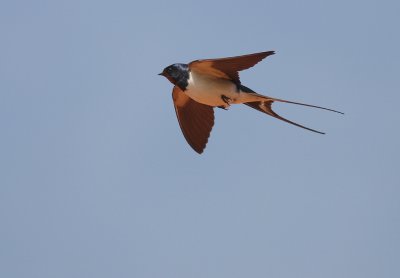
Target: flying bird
(202, 85)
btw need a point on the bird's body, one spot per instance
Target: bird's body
(204, 84)
(208, 90)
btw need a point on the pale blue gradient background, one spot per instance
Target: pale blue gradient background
(98, 181)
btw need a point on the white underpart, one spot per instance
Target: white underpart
(208, 90)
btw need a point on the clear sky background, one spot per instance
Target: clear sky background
(97, 180)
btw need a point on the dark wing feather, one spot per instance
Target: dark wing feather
(195, 119)
(228, 68)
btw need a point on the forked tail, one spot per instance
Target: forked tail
(265, 106)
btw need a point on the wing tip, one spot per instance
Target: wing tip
(265, 53)
(199, 151)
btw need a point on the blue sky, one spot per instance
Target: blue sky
(98, 181)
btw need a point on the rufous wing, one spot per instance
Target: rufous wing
(228, 68)
(195, 119)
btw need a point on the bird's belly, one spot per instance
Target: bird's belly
(209, 91)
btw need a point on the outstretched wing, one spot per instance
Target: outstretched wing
(228, 68)
(195, 119)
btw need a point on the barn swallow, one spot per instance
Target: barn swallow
(202, 85)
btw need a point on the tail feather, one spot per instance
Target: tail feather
(265, 107)
(309, 105)
(264, 104)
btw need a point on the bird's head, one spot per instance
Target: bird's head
(174, 73)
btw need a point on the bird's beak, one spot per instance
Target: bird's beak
(162, 74)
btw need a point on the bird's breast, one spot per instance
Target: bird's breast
(208, 90)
